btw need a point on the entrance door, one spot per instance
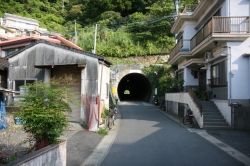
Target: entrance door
(202, 81)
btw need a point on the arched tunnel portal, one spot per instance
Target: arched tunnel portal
(134, 86)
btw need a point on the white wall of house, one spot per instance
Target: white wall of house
(225, 109)
(189, 78)
(238, 5)
(188, 28)
(104, 77)
(240, 68)
(225, 8)
(208, 73)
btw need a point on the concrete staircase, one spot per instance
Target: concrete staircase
(212, 118)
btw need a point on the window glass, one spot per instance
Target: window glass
(18, 83)
(218, 74)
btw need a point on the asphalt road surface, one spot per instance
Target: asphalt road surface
(149, 138)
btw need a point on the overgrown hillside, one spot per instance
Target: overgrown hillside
(124, 28)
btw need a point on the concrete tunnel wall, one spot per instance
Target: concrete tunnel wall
(137, 84)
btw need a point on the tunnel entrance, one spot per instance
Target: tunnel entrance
(134, 86)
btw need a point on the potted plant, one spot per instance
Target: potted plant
(203, 95)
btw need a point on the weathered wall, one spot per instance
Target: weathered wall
(51, 155)
(73, 72)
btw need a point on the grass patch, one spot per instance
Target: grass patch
(102, 132)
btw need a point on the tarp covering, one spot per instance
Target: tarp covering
(3, 119)
(91, 103)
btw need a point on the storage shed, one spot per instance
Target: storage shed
(42, 60)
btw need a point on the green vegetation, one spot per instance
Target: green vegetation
(162, 77)
(125, 28)
(102, 132)
(105, 113)
(43, 110)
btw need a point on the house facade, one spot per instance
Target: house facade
(6, 33)
(212, 56)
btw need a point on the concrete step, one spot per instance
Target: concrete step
(213, 117)
(211, 113)
(209, 109)
(207, 103)
(215, 124)
(214, 120)
(217, 127)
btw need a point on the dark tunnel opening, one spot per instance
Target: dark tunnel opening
(134, 86)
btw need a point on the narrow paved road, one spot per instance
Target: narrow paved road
(148, 137)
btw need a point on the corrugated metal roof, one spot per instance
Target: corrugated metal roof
(99, 57)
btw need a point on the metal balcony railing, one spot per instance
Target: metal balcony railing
(189, 9)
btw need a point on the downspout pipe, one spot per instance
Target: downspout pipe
(230, 76)
(230, 89)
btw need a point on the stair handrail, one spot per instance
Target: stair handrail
(195, 99)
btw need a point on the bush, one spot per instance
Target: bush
(43, 110)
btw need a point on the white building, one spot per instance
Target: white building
(212, 55)
(22, 26)
(19, 22)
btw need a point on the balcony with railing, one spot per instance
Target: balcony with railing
(182, 45)
(216, 25)
(228, 25)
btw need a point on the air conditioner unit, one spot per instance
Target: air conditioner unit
(208, 55)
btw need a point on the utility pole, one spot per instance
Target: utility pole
(94, 51)
(176, 7)
(62, 5)
(75, 33)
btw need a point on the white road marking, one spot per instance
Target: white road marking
(226, 148)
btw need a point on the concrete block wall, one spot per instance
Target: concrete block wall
(51, 155)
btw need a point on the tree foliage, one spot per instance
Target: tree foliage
(163, 78)
(125, 27)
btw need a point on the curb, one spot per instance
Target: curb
(102, 149)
